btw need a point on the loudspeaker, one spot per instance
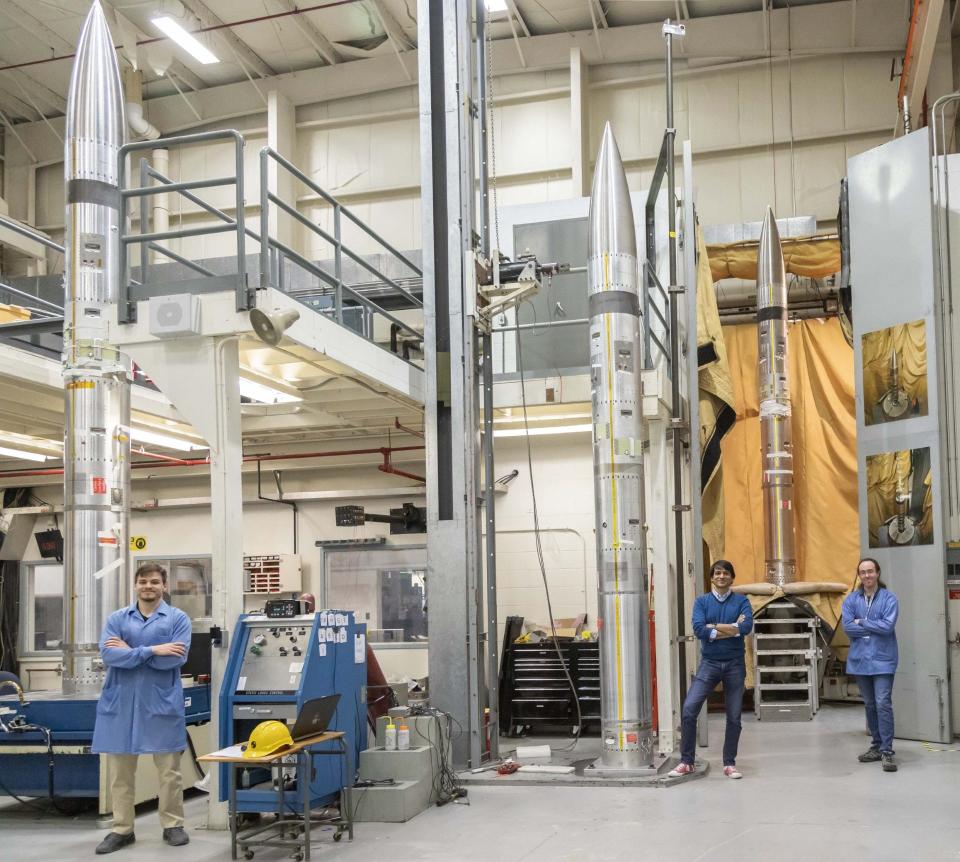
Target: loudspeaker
(270, 327)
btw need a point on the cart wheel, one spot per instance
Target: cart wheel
(337, 835)
(248, 854)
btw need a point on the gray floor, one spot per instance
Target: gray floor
(804, 797)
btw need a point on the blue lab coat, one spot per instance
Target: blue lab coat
(873, 641)
(141, 706)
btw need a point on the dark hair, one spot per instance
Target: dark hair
(726, 565)
(876, 565)
(149, 569)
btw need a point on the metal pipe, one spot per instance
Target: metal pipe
(148, 191)
(160, 215)
(617, 362)
(677, 424)
(776, 446)
(20, 229)
(17, 292)
(138, 239)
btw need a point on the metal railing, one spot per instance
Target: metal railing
(273, 251)
(150, 240)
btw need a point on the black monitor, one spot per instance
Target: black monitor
(198, 659)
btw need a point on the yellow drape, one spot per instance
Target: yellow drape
(883, 473)
(825, 454)
(910, 342)
(814, 258)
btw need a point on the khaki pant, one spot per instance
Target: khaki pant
(123, 771)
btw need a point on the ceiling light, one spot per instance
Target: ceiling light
(496, 5)
(185, 40)
(536, 432)
(264, 394)
(24, 455)
(164, 440)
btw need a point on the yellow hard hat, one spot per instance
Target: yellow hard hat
(267, 737)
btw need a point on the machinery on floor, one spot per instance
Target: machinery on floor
(275, 666)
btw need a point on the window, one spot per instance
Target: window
(386, 588)
(189, 583)
(41, 592)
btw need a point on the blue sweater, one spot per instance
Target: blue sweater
(707, 609)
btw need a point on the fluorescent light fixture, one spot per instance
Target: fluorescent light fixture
(496, 5)
(22, 454)
(185, 40)
(264, 394)
(537, 432)
(164, 440)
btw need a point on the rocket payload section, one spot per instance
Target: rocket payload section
(616, 363)
(96, 453)
(775, 411)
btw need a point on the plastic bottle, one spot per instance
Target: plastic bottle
(403, 738)
(390, 737)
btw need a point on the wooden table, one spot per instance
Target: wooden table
(299, 824)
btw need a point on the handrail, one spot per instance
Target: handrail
(148, 239)
(16, 227)
(334, 280)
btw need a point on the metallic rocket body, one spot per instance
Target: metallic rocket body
(96, 377)
(616, 363)
(775, 412)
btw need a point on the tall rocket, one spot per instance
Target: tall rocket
(775, 433)
(616, 361)
(96, 377)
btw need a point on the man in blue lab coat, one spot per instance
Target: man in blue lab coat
(141, 706)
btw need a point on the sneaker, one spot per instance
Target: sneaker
(114, 841)
(889, 764)
(176, 836)
(732, 772)
(871, 756)
(680, 770)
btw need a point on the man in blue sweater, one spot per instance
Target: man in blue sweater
(721, 620)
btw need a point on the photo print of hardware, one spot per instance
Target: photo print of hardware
(894, 373)
(900, 498)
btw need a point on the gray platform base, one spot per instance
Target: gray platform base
(785, 712)
(396, 804)
(583, 776)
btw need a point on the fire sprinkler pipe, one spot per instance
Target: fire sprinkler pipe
(384, 451)
(399, 427)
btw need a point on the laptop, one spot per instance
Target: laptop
(315, 717)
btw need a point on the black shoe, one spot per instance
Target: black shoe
(176, 836)
(889, 764)
(114, 841)
(871, 756)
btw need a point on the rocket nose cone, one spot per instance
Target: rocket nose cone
(610, 223)
(770, 255)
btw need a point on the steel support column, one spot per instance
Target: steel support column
(454, 562)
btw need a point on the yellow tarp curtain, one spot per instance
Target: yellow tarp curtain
(885, 472)
(814, 258)
(824, 447)
(909, 341)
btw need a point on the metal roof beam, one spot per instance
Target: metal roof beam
(208, 18)
(320, 43)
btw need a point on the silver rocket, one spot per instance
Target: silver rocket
(616, 363)
(775, 432)
(96, 377)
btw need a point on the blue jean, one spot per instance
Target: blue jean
(733, 674)
(877, 693)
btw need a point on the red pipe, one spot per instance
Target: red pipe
(387, 467)
(906, 54)
(413, 431)
(197, 462)
(178, 461)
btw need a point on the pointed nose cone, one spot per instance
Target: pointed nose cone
(610, 224)
(771, 280)
(94, 120)
(894, 366)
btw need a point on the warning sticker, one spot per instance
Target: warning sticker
(105, 537)
(98, 485)
(138, 543)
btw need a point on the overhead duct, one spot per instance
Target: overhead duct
(133, 106)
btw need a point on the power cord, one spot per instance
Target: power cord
(540, 561)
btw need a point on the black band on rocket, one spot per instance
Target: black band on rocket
(771, 312)
(614, 302)
(93, 192)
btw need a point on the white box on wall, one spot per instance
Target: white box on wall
(264, 574)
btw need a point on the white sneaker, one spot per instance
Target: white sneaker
(680, 770)
(732, 772)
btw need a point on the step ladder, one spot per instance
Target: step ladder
(787, 659)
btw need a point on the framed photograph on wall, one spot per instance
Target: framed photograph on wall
(895, 373)
(900, 498)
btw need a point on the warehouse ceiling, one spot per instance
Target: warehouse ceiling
(260, 39)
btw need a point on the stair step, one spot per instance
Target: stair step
(413, 764)
(797, 668)
(396, 804)
(799, 652)
(782, 686)
(785, 635)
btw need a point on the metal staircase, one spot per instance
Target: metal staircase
(787, 663)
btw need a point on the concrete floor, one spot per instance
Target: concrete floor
(804, 796)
